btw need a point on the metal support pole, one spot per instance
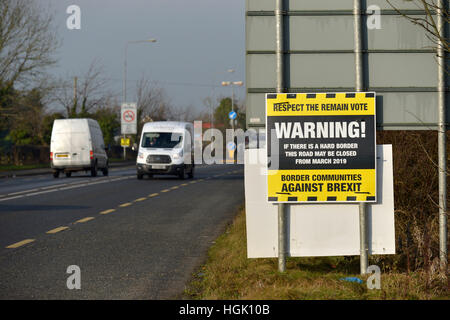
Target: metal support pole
(442, 141)
(363, 245)
(232, 106)
(124, 92)
(364, 248)
(280, 88)
(281, 237)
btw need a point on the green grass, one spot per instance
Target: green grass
(229, 274)
(10, 167)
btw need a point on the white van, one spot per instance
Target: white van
(77, 145)
(166, 147)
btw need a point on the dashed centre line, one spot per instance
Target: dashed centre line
(56, 230)
(85, 220)
(126, 204)
(107, 211)
(20, 243)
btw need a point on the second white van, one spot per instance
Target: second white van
(166, 147)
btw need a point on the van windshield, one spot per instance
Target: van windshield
(161, 140)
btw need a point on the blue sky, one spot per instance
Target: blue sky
(197, 42)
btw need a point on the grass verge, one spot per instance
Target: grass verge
(11, 167)
(229, 274)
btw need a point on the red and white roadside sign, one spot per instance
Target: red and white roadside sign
(128, 118)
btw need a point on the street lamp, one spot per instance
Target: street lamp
(125, 65)
(232, 84)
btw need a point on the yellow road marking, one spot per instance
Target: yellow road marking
(201, 180)
(107, 211)
(193, 182)
(59, 229)
(183, 184)
(125, 204)
(85, 220)
(153, 194)
(20, 243)
(165, 190)
(174, 187)
(140, 199)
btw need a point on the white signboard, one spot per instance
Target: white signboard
(317, 229)
(128, 119)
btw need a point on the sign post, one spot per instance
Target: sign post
(128, 122)
(323, 150)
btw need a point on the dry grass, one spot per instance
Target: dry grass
(229, 274)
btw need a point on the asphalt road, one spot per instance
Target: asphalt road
(131, 239)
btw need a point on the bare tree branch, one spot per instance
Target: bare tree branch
(27, 41)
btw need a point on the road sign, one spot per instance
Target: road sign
(231, 145)
(399, 59)
(321, 147)
(232, 115)
(125, 142)
(128, 118)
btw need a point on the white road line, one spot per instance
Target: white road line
(40, 192)
(66, 186)
(10, 198)
(14, 193)
(49, 187)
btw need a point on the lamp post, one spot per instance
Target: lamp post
(124, 98)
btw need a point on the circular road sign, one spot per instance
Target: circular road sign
(231, 146)
(232, 115)
(128, 116)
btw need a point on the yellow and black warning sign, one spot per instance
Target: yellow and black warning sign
(321, 147)
(125, 142)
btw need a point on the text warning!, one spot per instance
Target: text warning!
(321, 147)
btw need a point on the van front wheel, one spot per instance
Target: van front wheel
(181, 173)
(191, 173)
(56, 174)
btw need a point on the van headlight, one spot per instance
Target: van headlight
(178, 155)
(140, 155)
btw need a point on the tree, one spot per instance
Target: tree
(108, 119)
(82, 96)
(152, 103)
(26, 122)
(27, 42)
(221, 113)
(429, 22)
